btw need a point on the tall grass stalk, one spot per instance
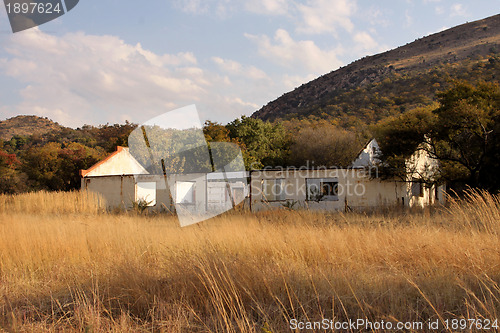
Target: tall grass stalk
(78, 269)
(478, 211)
(52, 203)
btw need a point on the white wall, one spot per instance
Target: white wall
(118, 191)
(357, 189)
(122, 191)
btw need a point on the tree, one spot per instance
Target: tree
(215, 132)
(267, 144)
(400, 136)
(16, 143)
(54, 167)
(466, 135)
(12, 180)
(463, 133)
(73, 158)
(324, 145)
(224, 154)
(41, 165)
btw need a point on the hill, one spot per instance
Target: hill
(26, 126)
(389, 83)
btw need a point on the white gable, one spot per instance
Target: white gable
(368, 156)
(119, 163)
(420, 164)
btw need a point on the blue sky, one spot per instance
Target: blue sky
(111, 61)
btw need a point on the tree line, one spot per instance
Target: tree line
(462, 131)
(462, 128)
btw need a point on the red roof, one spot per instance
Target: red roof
(83, 173)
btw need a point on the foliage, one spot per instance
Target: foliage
(54, 167)
(225, 153)
(167, 150)
(462, 124)
(463, 133)
(400, 136)
(266, 143)
(140, 205)
(52, 160)
(289, 204)
(467, 133)
(324, 145)
(215, 132)
(370, 90)
(108, 137)
(11, 180)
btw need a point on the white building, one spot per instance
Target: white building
(358, 187)
(122, 181)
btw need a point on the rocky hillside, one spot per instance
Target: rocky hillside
(26, 126)
(394, 81)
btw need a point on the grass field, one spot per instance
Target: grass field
(65, 265)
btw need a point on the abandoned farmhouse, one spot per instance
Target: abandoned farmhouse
(122, 181)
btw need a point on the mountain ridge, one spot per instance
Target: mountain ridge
(25, 125)
(461, 44)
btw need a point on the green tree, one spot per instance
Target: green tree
(73, 158)
(466, 135)
(463, 132)
(41, 165)
(400, 136)
(16, 144)
(223, 153)
(52, 167)
(267, 144)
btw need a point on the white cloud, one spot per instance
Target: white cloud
(310, 16)
(239, 101)
(408, 18)
(364, 41)
(192, 6)
(256, 74)
(235, 68)
(268, 7)
(458, 10)
(375, 15)
(326, 16)
(301, 55)
(78, 78)
(294, 81)
(221, 8)
(224, 8)
(227, 65)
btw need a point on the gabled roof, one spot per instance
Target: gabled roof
(368, 156)
(121, 162)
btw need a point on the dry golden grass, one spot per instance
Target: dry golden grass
(52, 203)
(84, 270)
